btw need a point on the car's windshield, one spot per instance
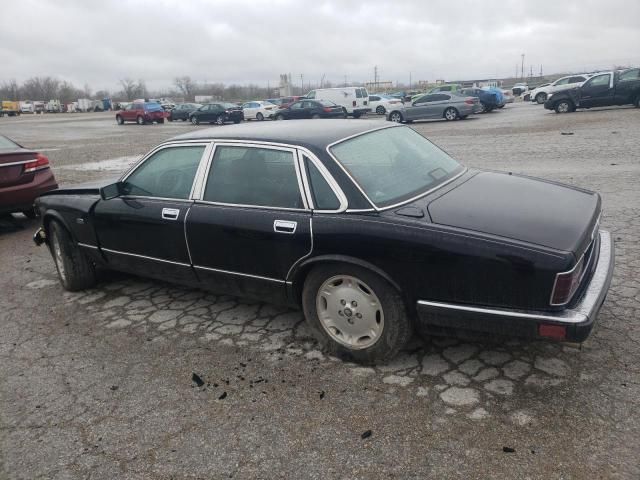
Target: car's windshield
(395, 164)
(6, 144)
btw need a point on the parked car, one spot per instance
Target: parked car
(219, 113)
(141, 113)
(489, 99)
(508, 96)
(381, 103)
(540, 94)
(258, 110)
(371, 230)
(309, 109)
(283, 102)
(353, 100)
(603, 89)
(520, 89)
(182, 111)
(435, 106)
(24, 175)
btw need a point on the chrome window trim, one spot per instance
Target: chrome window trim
(21, 162)
(86, 245)
(160, 199)
(333, 185)
(118, 252)
(404, 202)
(307, 255)
(151, 153)
(186, 239)
(571, 317)
(229, 272)
(198, 196)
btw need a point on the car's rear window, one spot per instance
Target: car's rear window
(327, 103)
(153, 107)
(6, 144)
(395, 164)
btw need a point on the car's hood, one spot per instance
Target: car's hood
(83, 188)
(521, 208)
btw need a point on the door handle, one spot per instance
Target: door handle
(285, 226)
(170, 213)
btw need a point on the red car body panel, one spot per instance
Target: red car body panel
(141, 110)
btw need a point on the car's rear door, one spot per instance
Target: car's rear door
(250, 222)
(142, 231)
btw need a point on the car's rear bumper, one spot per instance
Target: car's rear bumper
(21, 197)
(572, 324)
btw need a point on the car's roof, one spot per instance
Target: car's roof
(314, 134)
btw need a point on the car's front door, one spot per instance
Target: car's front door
(296, 110)
(129, 113)
(142, 230)
(597, 91)
(251, 222)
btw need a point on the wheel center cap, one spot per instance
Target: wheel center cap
(348, 312)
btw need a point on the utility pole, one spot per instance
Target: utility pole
(541, 70)
(409, 80)
(345, 80)
(522, 68)
(375, 77)
(301, 84)
(530, 71)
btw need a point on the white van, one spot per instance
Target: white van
(354, 100)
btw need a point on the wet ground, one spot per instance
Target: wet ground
(139, 379)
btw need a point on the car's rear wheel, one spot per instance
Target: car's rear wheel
(315, 116)
(541, 98)
(564, 106)
(119, 119)
(395, 117)
(451, 114)
(355, 313)
(357, 115)
(637, 101)
(195, 120)
(237, 121)
(279, 117)
(380, 110)
(220, 120)
(75, 270)
(161, 120)
(139, 120)
(259, 117)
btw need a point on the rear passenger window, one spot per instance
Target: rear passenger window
(323, 196)
(358, 93)
(168, 173)
(253, 176)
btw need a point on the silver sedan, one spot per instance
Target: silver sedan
(435, 105)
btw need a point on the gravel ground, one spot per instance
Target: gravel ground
(100, 384)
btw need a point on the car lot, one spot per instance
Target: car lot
(100, 384)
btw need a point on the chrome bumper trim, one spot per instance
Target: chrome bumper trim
(583, 312)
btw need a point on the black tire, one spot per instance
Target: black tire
(357, 115)
(451, 114)
(161, 120)
(259, 116)
(139, 120)
(396, 329)
(195, 120)
(395, 117)
(220, 120)
(315, 116)
(75, 270)
(237, 121)
(380, 110)
(30, 214)
(119, 120)
(541, 98)
(279, 117)
(563, 106)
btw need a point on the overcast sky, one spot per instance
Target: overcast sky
(101, 41)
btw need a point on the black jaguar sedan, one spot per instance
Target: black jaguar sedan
(218, 113)
(371, 228)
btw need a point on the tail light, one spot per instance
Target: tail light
(469, 101)
(566, 284)
(355, 104)
(326, 109)
(40, 163)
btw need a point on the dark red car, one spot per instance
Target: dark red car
(141, 113)
(24, 175)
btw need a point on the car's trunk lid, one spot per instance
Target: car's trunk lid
(12, 166)
(520, 208)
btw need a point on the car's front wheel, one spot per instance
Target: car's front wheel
(541, 98)
(450, 114)
(195, 121)
(75, 270)
(380, 110)
(139, 120)
(395, 117)
(259, 117)
(119, 119)
(315, 116)
(564, 106)
(220, 120)
(355, 313)
(279, 117)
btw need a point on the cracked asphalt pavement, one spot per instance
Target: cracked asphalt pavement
(138, 379)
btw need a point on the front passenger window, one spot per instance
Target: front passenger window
(168, 173)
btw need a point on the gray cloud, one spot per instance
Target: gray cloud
(99, 42)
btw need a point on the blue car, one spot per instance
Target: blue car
(489, 99)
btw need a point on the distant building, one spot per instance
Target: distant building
(378, 86)
(486, 82)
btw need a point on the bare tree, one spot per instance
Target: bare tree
(129, 88)
(41, 88)
(186, 86)
(67, 92)
(10, 90)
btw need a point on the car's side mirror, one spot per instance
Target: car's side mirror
(111, 191)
